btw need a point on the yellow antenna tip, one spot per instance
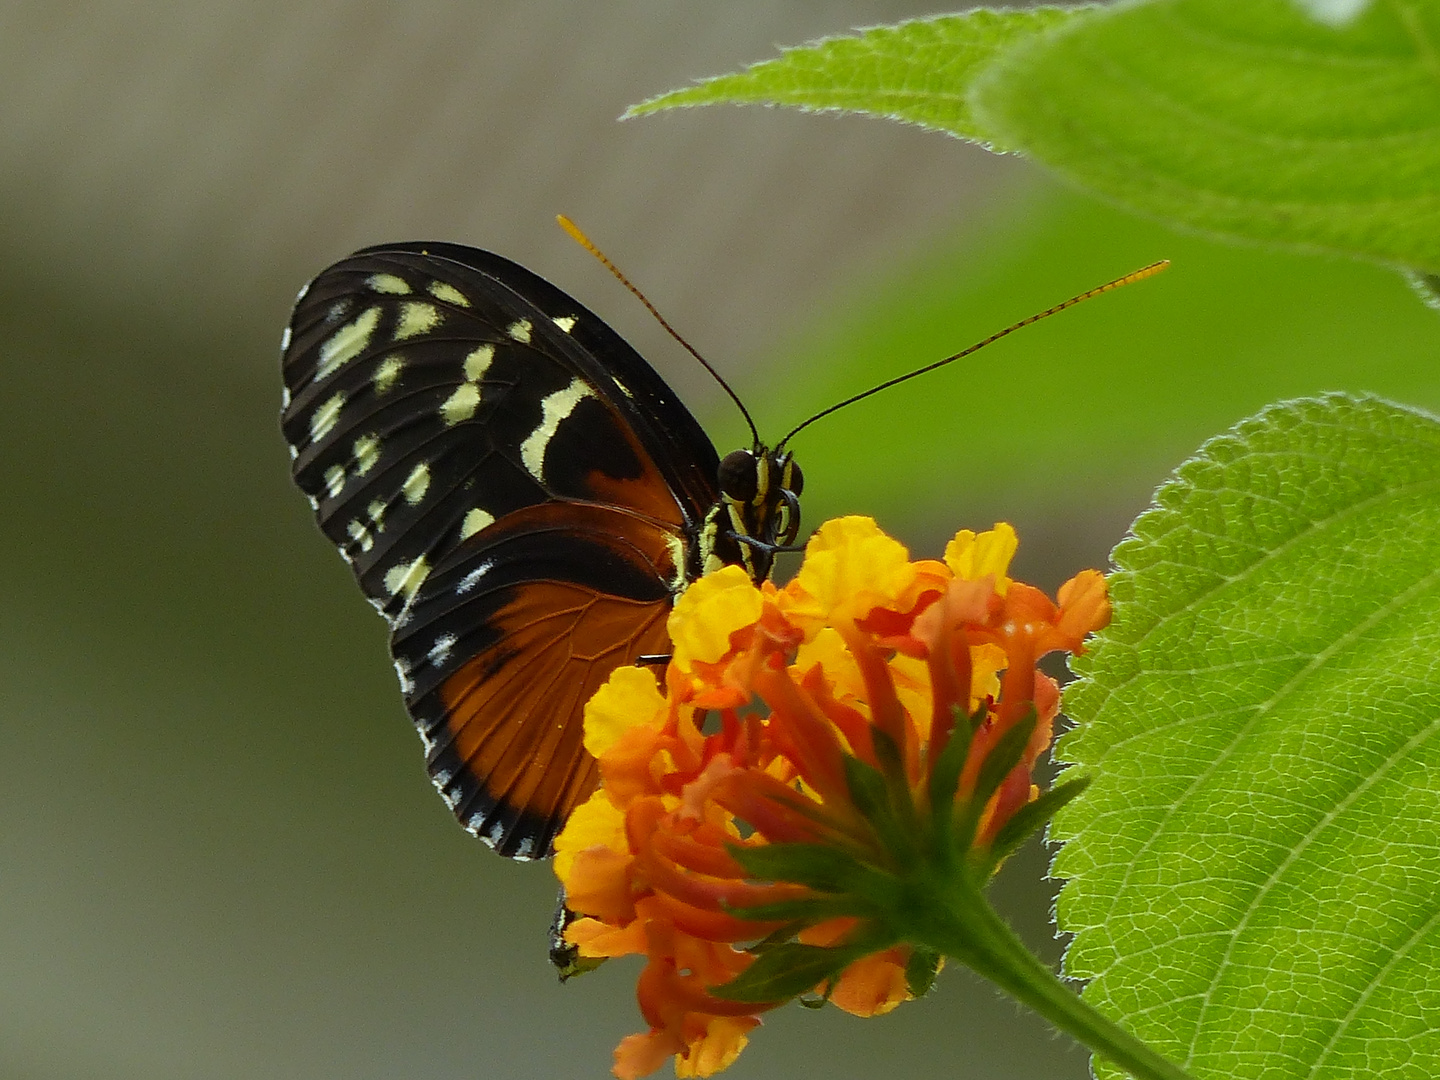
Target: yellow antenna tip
(574, 231)
(1149, 271)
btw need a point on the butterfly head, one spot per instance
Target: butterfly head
(758, 512)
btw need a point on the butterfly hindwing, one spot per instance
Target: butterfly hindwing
(506, 643)
(515, 489)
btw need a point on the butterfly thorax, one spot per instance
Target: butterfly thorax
(758, 512)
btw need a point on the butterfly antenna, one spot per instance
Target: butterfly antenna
(1129, 279)
(585, 242)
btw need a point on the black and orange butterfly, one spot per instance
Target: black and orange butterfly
(521, 496)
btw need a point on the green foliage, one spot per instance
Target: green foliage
(784, 971)
(1252, 876)
(1252, 118)
(815, 865)
(920, 971)
(1031, 817)
(918, 72)
(1427, 287)
(1251, 879)
(1334, 12)
(1086, 410)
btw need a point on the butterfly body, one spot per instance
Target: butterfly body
(521, 496)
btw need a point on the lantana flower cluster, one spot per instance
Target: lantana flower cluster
(823, 764)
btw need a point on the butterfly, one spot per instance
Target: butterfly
(521, 496)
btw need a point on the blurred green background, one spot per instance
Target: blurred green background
(219, 854)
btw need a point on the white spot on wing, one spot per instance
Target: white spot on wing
(402, 669)
(387, 373)
(470, 580)
(440, 651)
(376, 513)
(324, 418)
(334, 480)
(475, 520)
(285, 340)
(478, 362)
(461, 405)
(565, 322)
(406, 578)
(443, 290)
(416, 484)
(554, 408)
(388, 283)
(347, 343)
(360, 534)
(416, 318)
(519, 330)
(367, 453)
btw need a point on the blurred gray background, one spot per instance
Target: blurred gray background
(219, 856)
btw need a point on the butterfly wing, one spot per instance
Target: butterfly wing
(518, 493)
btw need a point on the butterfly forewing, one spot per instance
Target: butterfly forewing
(516, 490)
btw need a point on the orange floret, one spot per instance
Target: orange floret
(867, 664)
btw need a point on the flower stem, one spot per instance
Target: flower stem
(971, 932)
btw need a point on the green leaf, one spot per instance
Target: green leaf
(949, 764)
(918, 72)
(1003, 757)
(1083, 413)
(1254, 874)
(1426, 286)
(1247, 118)
(866, 785)
(1334, 12)
(840, 906)
(818, 866)
(785, 971)
(1031, 816)
(920, 971)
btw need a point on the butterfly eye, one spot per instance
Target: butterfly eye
(796, 484)
(739, 476)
